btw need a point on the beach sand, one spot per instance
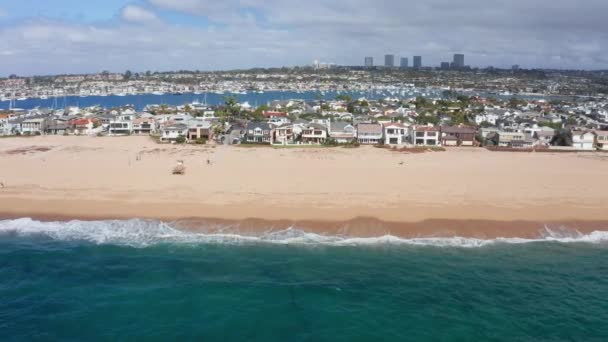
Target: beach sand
(362, 192)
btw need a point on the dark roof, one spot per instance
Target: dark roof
(258, 124)
(458, 130)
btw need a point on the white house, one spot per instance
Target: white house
(425, 136)
(119, 126)
(4, 127)
(342, 132)
(395, 134)
(314, 134)
(602, 140)
(172, 132)
(583, 140)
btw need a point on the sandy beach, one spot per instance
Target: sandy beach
(363, 192)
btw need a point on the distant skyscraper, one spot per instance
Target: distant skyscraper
(445, 65)
(405, 63)
(417, 62)
(369, 62)
(389, 61)
(458, 61)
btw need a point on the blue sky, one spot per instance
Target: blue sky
(76, 36)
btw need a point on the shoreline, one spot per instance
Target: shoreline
(359, 227)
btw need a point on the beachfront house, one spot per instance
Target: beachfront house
(369, 133)
(258, 132)
(395, 133)
(144, 126)
(515, 139)
(425, 136)
(284, 135)
(601, 140)
(121, 125)
(314, 134)
(172, 131)
(34, 126)
(342, 132)
(583, 140)
(57, 127)
(4, 127)
(458, 136)
(85, 126)
(200, 129)
(544, 136)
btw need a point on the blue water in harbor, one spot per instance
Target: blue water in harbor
(142, 100)
(141, 280)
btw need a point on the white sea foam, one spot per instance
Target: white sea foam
(142, 233)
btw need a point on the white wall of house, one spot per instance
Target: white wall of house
(583, 142)
(395, 135)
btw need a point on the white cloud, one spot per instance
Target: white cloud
(137, 14)
(250, 33)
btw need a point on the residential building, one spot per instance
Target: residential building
(395, 134)
(544, 136)
(425, 136)
(258, 132)
(515, 139)
(57, 127)
(405, 63)
(601, 140)
(172, 131)
(33, 126)
(120, 126)
(284, 135)
(342, 132)
(200, 129)
(417, 62)
(458, 136)
(389, 61)
(583, 140)
(369, 133)
(445, 66)
(4, 128)
(85, 126)
(314, 134)
(144, 126)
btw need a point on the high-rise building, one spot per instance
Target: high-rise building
(405, 63)
(445, 65)
(369, 62)
(458, 61)
(417, 62)
(389, 61)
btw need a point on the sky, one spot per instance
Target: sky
(42, 37)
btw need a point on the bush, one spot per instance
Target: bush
(180, 140)
(200, 141)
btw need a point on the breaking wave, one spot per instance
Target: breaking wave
(143, 233)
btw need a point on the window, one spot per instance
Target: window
(420, 134)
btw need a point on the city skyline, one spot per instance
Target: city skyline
(116, 35)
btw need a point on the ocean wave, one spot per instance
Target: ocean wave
(143, 233)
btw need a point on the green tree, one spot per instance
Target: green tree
(344, 97)
(128, 74)
(562, 137)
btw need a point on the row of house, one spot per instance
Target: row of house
(301, 132)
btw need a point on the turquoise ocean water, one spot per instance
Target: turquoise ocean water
(144, 280)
